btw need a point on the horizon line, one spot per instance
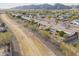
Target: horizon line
(11, 5)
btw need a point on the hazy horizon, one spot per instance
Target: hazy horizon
(10, 5)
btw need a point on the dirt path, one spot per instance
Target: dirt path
(29, 44)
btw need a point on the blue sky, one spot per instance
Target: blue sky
(10, 5)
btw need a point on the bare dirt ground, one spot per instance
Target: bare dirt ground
(29, 43)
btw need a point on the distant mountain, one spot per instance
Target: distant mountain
(77, 6)
(61, 6)
(43, 6)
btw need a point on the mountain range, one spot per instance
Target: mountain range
(57, 6)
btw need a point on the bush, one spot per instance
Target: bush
(49, 17)
(19, 17)
(45, 34)
(48, 29)
(5, 38)
(61, 33)
(13, 15)
(24, 13)
(68, 49)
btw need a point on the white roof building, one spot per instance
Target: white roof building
(76, 22)
(24, 17)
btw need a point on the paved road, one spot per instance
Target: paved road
(28, 43)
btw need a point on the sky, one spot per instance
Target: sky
(10, 5)
(5, 4)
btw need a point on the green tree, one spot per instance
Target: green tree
(61, 33)
(49, 17)
(19, 17)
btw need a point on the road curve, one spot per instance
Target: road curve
(29, 44)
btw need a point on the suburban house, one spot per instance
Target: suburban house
(16, 14)
(43, 24)
(65, 24)
(71, 36)
(24, 17)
